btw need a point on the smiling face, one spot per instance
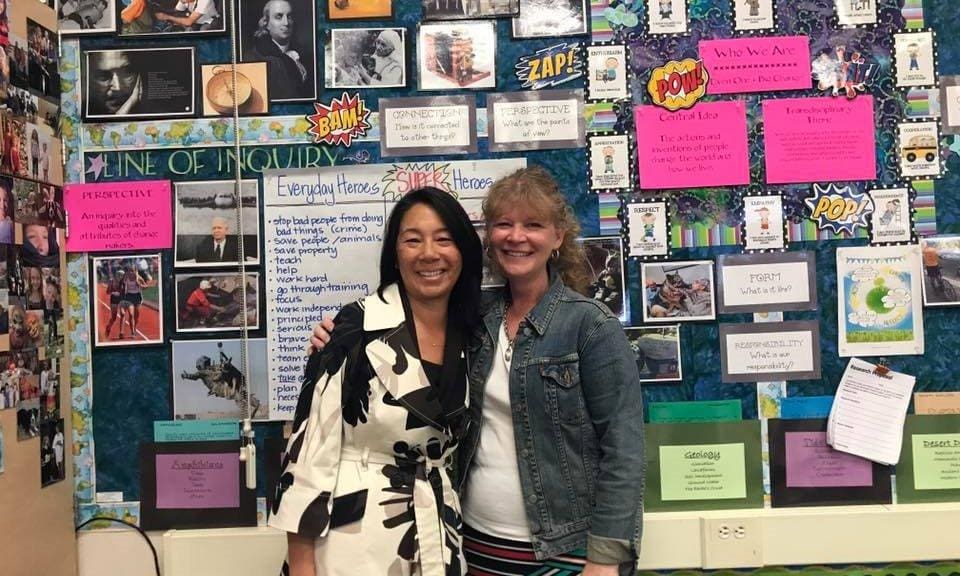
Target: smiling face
(427, 256)
(38, 236)
(521, 241)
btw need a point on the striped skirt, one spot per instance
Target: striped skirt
(491, 556)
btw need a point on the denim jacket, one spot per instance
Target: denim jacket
(578, 422)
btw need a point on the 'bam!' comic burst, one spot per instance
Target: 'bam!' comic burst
(678, 85)
(340, 122)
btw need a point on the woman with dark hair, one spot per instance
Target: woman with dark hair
(6, 210)
(40, 247)
(367, 485)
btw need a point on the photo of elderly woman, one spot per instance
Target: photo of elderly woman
(366, 58)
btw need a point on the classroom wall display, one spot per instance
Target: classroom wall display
(206, 223)
(372, 10)
(770, 351)
(217, 301)
(75, 18)
(678, 291)
(365, 57)
(754, 15)
(766, 282)
(606, 280)
(743, 64)
(806, 471)
(291, 72)
(139, 83)
(926, 471)
(119, 216)
(941, 270)
(607, 72)
(856, 12)
(763, 223)
(879, 312)
(456, 55)
(916, 58)
(667, 17)
(541, 120)
(550, 66)
(919, 149)
(950, 104)
(127, 300)
(252, 93)
(427, 126)
(446, 10)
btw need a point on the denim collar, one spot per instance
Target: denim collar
(539, 316)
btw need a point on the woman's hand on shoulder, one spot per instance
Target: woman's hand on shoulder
(593, 569)
(320, 336)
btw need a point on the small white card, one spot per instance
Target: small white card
(667, 16)
(609, 162)
(891, 219)
(768, 352)
(765, 286)
(607, 72)
(915, 58)
(540, 120)
(856, 12)
(919, 144)
(647, 229)
(763, 223)
(754, 15)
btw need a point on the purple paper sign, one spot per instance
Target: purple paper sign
(811, 463)
(198, 481)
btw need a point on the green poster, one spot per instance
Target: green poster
(703, 466)
(702, 411)
(936, 461)
(703, 472)
(929, 467)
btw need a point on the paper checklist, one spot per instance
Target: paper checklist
(868, 412)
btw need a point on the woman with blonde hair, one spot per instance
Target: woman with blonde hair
(552, 465)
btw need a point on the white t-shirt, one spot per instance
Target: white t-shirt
(204, 7)
(493, 503)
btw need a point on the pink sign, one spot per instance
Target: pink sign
(198, 481)
(811, 463)
(119, 216)
(698, 148)
(819, 140)
(757, 64)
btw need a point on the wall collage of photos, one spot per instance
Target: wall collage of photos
(32, 220)
(677, 220)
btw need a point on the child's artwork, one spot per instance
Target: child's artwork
(879, 305)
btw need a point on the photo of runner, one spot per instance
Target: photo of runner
(128, 300)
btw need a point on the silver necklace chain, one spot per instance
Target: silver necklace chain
(508, 351)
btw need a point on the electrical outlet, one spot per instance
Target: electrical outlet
(731, 542)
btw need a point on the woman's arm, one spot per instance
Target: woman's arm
(300, 555)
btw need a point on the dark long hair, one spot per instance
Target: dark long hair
(465, 298)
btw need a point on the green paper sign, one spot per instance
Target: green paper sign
(936, 461)
(703, 472)
(702, 411)
(195, 430)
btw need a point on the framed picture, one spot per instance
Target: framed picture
(678, 291)
(658, 352)
(460, 9)
(453, 55)
(43, 57)
(206, 221)
(359, 9)
(281, 33)
(365, 58)
(139, 83)
(209, 381)
(75, 18)
(549, 18)
(941, 270)
(253, 95)
(127, 300)
(214, 301)
(605, 260)
(171, 17)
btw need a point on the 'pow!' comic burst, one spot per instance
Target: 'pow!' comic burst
(340, 122)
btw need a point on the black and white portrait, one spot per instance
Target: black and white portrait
(282, 34)
(140, 82)
(457, 9)
(366, 58)
(217, 301)
(168, 17)
(206, 223)
(547, 18)
(76, 17)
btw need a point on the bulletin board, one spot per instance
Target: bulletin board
(132, 387)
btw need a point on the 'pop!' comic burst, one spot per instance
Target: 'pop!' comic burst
(340, 122)
(678, 84)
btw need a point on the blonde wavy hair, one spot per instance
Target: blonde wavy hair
(534, 188)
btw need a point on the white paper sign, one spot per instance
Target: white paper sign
(323, 232)
(532, 121)
(950, 104)
(765, 353)
(759, 284)
(855, 12)
(436, 126)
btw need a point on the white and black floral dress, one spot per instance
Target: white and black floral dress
(368, 466)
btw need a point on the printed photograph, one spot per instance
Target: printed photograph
(8, 209)
(366, 58)
(49, 376)
(13, 156)
(491, 278)
(20, 102)
(667, 16)
(281, 33)
(127, 304)
(206, 223)
(941, 270)
(607, 72)
(458, 9)
(53, 332)
(169, 17)
(139, 83)
(915, 59)
(43, 58)
(678, 291)
(26, 326)
(754, 14)
(17, 60)
(28, 411)
(39, 148)
(52, 452)
(209, 381)
(548, 18)
(658, 352)
(41, 246)
(214, 302)
(604, 257)
(359, 9)
(252, 94)
(77, 17)
(456, 55)
(9, 383)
